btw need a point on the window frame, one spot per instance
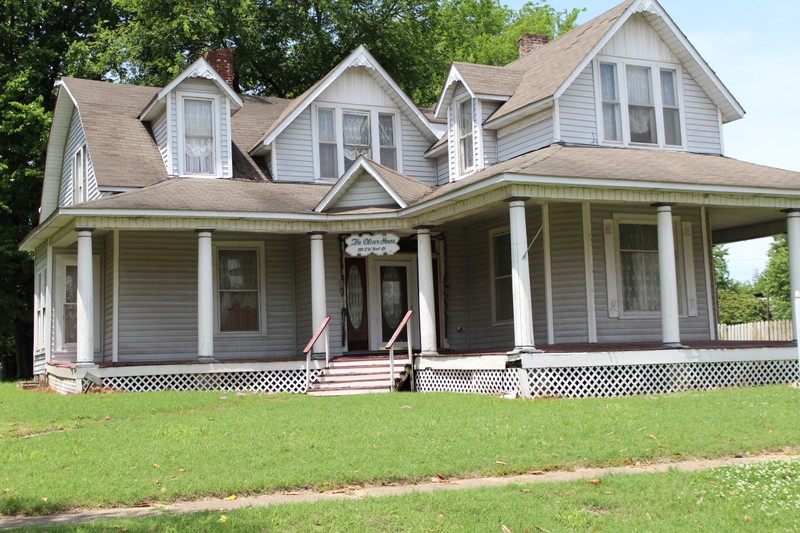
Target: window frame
(40, 309)
(80, 171)
(493, 277)
(614, 265)
(656, 67)
(216, 130)
(339, 109)
(461, 137)
(62, 261)
(258, 247)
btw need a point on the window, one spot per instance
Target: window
(386, 138)
(198, 136)
(632, 266)
(327, 143)
(69, 306)
(65, 304)
(239, 293)
(465, 143)
(79, 184)
(640, 104)
(502, 293)
(343, 135)
(40, 292)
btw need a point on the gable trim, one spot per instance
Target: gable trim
(66, 105)
(349, 178)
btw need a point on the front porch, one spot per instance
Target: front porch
(564, 370)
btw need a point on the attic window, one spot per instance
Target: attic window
(640, 103)
(465, 143)
(198, 140)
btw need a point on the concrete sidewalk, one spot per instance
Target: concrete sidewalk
(355, 492)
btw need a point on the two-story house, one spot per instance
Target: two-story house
(549, 223)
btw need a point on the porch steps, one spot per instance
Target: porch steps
(359, 375)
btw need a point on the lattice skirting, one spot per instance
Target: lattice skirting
(494, 382)
(632, 380)
(254, 381)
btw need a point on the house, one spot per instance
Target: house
(549, 223)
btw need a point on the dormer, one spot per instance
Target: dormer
(191, 118)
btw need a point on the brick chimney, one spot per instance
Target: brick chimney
(530, 42)
(222, 61)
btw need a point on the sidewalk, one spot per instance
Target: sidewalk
(355, 492)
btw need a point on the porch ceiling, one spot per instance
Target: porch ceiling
(740, 224)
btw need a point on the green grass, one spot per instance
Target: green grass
(719, 500)
(58, 453)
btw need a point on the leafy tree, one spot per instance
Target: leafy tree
(774, 280)
(722, 275)
(736, 301)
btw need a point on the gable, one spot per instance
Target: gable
(357, 86)
(364, 192)
(637, 39)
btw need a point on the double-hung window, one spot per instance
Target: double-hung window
(639, 276)
(466, 147)
(40, 292)
(640, 103)
(502, 294)
(198, 136)
(79, 173)
(239, 290)
(343, 135)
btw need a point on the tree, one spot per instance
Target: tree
(736, 301)
(35, 37)
(774, 280)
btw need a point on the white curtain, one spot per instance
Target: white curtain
(198, 136)
(356, 137)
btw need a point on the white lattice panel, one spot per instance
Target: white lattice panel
(494, 382)
(631, 380)
(255, 381)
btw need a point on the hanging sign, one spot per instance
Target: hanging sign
(375, 244)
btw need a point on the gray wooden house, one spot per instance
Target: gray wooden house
(549, 223)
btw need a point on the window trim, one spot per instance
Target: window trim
(40, 309)
(684, 264)
(338, 111)
(493, 234)
(258, 247)
(216, 131)
(620, 67)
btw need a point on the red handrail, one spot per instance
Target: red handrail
(390, 346)
(316, 336)
(400, 328)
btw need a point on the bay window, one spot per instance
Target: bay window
(639, 103)
(343, 135)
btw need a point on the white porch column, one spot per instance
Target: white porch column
(793, 239)
(319, 307)
(427, 295)
(85, 333)
(205, 297)
(520, 277)
(670, 326)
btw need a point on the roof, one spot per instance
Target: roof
(659, 167)
(217, 195)
(490, 80)
(120, 146)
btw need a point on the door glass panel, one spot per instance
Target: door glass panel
(394, 298)
(355, 297)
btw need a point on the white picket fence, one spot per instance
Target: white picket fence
(774, 330)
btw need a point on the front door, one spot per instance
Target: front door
(393, 286)
(357, 309)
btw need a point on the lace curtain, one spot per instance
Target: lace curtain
(198, 136)
(356, 136)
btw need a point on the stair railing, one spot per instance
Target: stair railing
(323, 328)
(390, 346)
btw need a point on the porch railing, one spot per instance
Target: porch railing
(323, 328)
(390, 346)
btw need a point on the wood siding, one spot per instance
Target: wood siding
(414, 145)
(577, 110)
(75, 140)
(637, 39)
(489, 136)
(365, 192)
(612, 329)
(294, 151)
(701, 119)
(569, 275)
(161, 135)
(442, 169)
(532, 135)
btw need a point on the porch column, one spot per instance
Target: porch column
(520, 277)
(670, 326)
(319, 307)
(205, 297)
(85, 333)
(427, 295)
(793, 239)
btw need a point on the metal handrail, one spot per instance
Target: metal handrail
(390, 346)
(323, 328)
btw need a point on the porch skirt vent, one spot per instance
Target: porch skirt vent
(253, 381)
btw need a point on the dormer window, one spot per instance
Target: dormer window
(198, 137)
(639, 104)
(80, 185)
(344, 134)
(465, 143)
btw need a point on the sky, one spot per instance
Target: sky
(754, 49)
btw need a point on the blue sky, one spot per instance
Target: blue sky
(755, 50)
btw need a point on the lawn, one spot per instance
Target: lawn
(58, 453)
(761, 497)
